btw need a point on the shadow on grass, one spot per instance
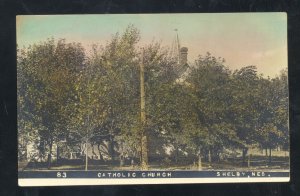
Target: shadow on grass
(257, 162)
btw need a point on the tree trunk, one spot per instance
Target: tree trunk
(209, 156)
(144, 139)
(86, 155)
(176, 155)
(244, 151)
(57, 153)
(121, 160)
(266, 156)
(49, 155)
(100, 155)
(144, 153)
(93, 151)
(270, 155)
(249, 160)
(112, 146)
(199, 160)
(132, 163)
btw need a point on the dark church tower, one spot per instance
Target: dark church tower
(179, 54)
(183, 55)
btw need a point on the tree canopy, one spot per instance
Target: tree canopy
(68, 94)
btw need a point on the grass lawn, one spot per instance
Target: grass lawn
(257, 163)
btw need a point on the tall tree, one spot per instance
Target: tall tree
(273, 120)
(244, 109)
(51, 65)
(209, 82)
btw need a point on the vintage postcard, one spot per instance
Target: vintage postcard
(152, 99)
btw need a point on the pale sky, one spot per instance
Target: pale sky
(241, 38)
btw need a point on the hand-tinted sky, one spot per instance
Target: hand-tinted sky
(242, 39)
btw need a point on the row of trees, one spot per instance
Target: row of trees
(67, 94)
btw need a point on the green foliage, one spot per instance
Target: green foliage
(44, 78)
(66, 95)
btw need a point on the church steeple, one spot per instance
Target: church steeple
(179, 54)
